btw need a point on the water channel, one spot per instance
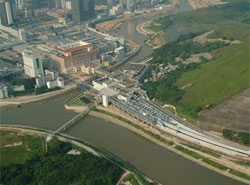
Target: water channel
(128, 30)
(156, 162)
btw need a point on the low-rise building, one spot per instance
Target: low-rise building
(89, 68)
(104, 83)
(51, 79)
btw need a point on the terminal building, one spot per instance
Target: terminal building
(70, 57)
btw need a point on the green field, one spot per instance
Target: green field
(224, 76)
(78, 102)
(31, 146)
(155, 28)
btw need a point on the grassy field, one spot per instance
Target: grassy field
(26, 147)
(155, 28)
(231, 32)
(203, 150)
(78, 102)
(219, 79)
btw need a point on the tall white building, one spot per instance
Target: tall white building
(68, 5)
(63, 4)
(6, 15)
(105, 100)
(22, 35)
(3, 91)
(33, 66)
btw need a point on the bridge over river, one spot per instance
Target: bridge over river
(73, 121)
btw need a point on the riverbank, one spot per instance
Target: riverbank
(34, 98)
(221, 161)
(142, 28)
(114, 24)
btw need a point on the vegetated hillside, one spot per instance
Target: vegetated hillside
(233, 13)
(224, 76)
(24, 161)
(204, 85)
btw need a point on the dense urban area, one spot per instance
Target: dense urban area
(179, 78)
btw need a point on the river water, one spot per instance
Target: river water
(156, 162)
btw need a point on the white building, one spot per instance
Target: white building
(120, 53)
(116, 10)
(63, 4)
(104, 83)
(68, 5)
(3, 91)
(105, 100)
(89, 68)
(51, 79)
(60, 82)
(22, 35)
(8, 12)
(33, 66)
(19, 34)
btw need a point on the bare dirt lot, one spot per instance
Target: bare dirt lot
(232, 114)
(204, 3)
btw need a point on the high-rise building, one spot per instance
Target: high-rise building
(110, 3)
(82, 10)
(33, 66)
(91, 8)
(13, 8)
(58, 4)
(63, 3)
(9, 12)
(3, 14)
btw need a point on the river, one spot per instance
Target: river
(156, 162)
(153, 160)
(128, 30)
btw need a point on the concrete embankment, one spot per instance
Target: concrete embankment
(76, 109)
(34, 98)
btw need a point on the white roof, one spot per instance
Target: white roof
(107, 91)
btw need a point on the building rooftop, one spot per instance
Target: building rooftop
(108, 92)
(74, 44)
